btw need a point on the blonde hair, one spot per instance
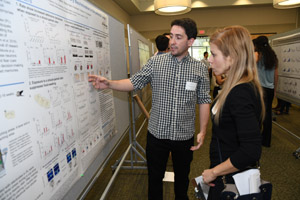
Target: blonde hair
(235, 41)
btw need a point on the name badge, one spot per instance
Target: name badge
(190, 86)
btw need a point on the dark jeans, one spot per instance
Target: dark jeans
(157, 153)
(267, 124)
(284, 105)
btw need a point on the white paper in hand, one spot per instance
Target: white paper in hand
(247, 182)
(255, 182)
(204, 186)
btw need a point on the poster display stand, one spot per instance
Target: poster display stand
(287, 48)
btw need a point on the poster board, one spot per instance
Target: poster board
(54, 124)
(287, 48)
(141, 49)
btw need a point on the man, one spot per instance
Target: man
(178, 82)
(162, 44)
(205, 61)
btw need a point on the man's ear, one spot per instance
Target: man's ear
(191, 41)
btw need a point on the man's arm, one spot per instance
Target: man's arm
(100, 82)
(203, 117)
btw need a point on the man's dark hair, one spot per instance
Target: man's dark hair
(188, 25)
(162, 42)
(205, 53)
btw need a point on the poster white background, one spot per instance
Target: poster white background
(53, 123)
(289, 69)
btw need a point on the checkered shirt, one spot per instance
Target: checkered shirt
(173, 103)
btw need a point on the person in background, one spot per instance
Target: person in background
(284, 107)
(168, 49)
(267, 63)
(162, 44)
(218, 81)
(237, 111)
(168, 36)
(277, 107)
(205, 61)
(179, 82)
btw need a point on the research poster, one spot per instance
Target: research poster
(287, 49)
(53, 122)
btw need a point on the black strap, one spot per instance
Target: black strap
(219, 149)
(221, 160)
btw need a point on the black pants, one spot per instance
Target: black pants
(284, 105)
(267, 124)
(157, 153)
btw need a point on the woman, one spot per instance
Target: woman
(267, 73)
(237, 110)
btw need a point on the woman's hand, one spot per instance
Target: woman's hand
(209, 176)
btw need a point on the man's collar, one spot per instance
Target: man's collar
(187, 56)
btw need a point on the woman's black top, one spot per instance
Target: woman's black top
(238, 129)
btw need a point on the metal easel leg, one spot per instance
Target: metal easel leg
(297, 152)
(135, 156)
(134, 148)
